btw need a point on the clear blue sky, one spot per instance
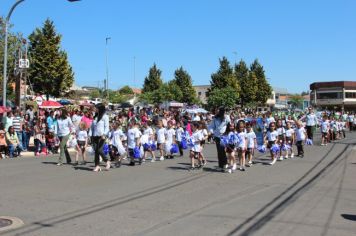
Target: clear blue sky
(297, 41)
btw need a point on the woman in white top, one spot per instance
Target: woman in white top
(99, 131)
(64, 128)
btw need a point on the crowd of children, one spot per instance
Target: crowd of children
(138, 136)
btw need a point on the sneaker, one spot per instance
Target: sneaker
(191, 168)
(273, 162)
(285, 157)
(153, 160)
(280, 158)
(242, 168)
(59, 163)
(203, 163)
(226, 166)
(292, 155)
(143, 160)
(234, 167)
(249, 164)
(230, 171)
(132, 163)
(161, 158)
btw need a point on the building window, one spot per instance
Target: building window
(350, 95)
(333, 95)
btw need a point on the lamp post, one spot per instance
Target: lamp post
(5, 51)
(7, 20)
(107, 66)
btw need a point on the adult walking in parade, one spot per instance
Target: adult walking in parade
(311, 121)
(99, 131)
(218, 127)
(64, 128)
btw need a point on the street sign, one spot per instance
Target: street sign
(39, 100)
(24, 63)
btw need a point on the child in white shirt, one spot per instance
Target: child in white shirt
(301, 135)
(161, 139)
(179, 137)
(82, 141)
(149, 141)
(196, 148)
(251, 144)
(271, 138)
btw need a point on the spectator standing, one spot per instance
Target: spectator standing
(64, 128)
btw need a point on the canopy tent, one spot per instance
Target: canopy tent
(50, 104)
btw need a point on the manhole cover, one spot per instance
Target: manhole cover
(5, 222)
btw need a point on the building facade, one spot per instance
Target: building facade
(336, 95)
(202, 92)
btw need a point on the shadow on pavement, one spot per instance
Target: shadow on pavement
(349, 217)
(83, 168)
(49, 163)
(177, 168)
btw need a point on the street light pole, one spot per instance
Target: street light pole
(7, 20)
(107, 67)
(5, 51)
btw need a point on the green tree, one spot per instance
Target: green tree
(117, 97)
(50, 72)
(14, 43)
(126, 90)
(153, 81)
(264, 88)
(95, 94)
(226, 97)
(224, 77)
(184, 81)
(247, 82)
(296, 101)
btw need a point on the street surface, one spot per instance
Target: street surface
(315, 195)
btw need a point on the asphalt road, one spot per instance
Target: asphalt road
(315, 195)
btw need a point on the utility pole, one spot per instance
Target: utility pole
(107, 66)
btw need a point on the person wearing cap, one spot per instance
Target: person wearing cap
(218, 127)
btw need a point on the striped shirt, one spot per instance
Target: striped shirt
(16, 123)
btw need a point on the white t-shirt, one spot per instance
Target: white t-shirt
(144, 139)
(179, 134)
(300, 133)
(281, 131)
(115, 138)
(325, 126)
(161, 135)
(132, 135)
(82, 135)
(170, 134)
(272, 136)
(149, 132)
(242, 138)
(251, 136)
(289, 133)
(196, 138)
